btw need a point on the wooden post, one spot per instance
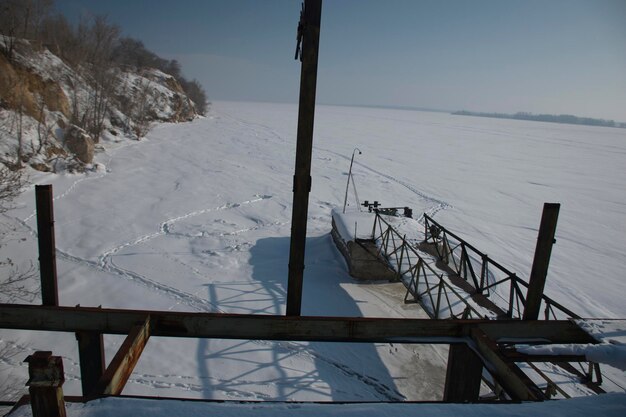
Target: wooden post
(463, 375)
(310, 30)
(47, 249)
(91, 354)
(45, 383)
(539, 271)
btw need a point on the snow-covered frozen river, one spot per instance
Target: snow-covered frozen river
(197, 218)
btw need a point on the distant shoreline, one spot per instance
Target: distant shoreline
(550, 118)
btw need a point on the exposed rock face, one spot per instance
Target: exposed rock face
(41, 97)
(79, 143)
(20, 86)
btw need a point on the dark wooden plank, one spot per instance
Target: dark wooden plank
(541, 261)
(265, 327)
(119, 370)
(463, 375)
(47, 248)
(310, 31)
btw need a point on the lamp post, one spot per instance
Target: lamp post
(345, 200)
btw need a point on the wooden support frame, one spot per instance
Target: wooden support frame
(117, 373)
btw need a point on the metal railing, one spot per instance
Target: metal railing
(439, 298)
(503, 287)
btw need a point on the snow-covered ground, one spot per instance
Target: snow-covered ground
(197, 218)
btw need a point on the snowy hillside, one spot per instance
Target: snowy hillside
(197, 218)
(41, 97)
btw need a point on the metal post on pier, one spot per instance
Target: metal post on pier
(45, 384)
(47, 249)
(543, 250)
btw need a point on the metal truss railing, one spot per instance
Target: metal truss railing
(501, 286)
(441, 299)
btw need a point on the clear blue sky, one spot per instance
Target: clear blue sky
(548, 56)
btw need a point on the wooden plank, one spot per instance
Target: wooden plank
(119, 370)
(91, 357)
(463, 375)
(47, 248)
(310, 31)
(543, 250)
(266, 327)
(516, 384)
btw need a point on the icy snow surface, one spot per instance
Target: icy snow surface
(611, 405)
(197, 218)
(611, 350)
(353, 224)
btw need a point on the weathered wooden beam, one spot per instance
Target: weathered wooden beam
(119, 370)
(91, 356)
(543, 250)
(265, 327)
(516, 384)
(310, 31)
(47, 248)
(463, 375)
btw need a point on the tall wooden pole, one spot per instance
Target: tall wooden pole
(539, 271)
(310, 30)
(47, 249)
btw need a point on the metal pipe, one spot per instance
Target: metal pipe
(345, 199)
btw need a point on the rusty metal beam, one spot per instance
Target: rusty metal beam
(310, 32)
(265, 327)
(516, 384)
(47, 248)
(45, 384)
(124, 361)
(513, 355)
(91, 356)
(543, 250)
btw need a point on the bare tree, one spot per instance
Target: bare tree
(16, 283)
(21, 18)
(143, 108)
(44, 129)
(11, 183)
